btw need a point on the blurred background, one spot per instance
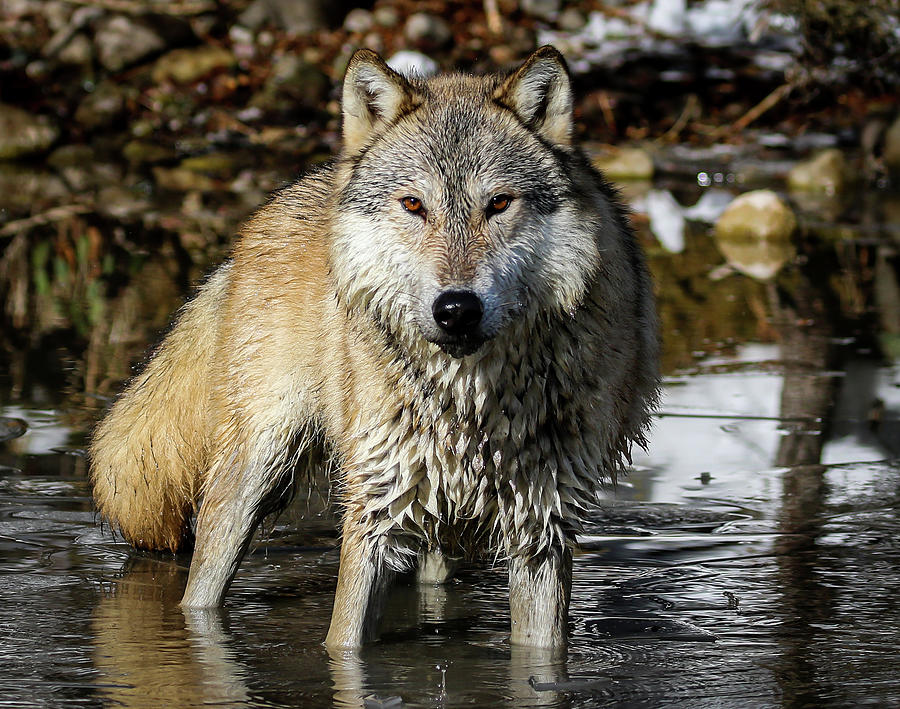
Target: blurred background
(135, 135)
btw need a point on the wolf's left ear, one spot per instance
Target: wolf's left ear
(540, 92)
(373, 95)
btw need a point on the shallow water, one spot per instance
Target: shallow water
(750, 559)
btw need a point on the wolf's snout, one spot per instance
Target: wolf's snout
(457, 312)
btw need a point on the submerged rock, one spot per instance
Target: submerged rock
(625, 164)
(826, 172)
(12, 428)
(754, 234)
(184, 66)
(22, 133)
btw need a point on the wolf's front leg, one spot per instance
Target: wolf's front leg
(240, 490)
(363, 581)
(539, 590)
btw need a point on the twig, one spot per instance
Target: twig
(51, 215)
(492, 15)
(767, 103)
(689, 111)
(142, 7)
(607, 110)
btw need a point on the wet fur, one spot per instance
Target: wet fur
(318, 335)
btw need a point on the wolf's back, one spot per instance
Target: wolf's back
(149, 452)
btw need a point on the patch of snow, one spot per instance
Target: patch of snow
(410, 63)
(666, 219)
(710, 206)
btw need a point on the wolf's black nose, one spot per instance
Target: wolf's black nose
(457, 312)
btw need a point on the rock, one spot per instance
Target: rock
(179, 179)
(359, 20)
(78, 51)
(122, 41)
(754, 234)
(71, 156)
(373, 41)
(826, 172)
(12, 428)
(25, 190)
(625, 164)
(120, 202)
(542, 9)
(296, 17)
(891, 150)
(760, 214)
(102, 106)
(386, 16)
(22, 133)
(214, 164)
(184, 66)
(571, 20)
(426, 30)
(65, 34)
(293, 83)
(144, 152)
(410, 63)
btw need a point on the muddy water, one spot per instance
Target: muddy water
(750, 559)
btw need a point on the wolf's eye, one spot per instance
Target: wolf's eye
(413, 204)
(498, 204)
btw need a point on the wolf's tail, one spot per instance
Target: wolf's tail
(149, 454)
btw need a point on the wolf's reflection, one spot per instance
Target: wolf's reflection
(467, 673)
(150, 654)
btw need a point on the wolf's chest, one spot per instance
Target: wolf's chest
(479, 457)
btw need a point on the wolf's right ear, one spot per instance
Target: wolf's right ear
(373, 95)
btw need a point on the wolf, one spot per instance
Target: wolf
(453, 315)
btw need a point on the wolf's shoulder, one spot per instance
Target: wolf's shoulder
(292, 226)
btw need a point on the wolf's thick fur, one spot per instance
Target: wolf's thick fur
(454, 313)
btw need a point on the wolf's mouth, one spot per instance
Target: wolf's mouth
(462, 346)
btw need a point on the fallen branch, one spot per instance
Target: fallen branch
(142, 7)
(55, 214)
(766, 104)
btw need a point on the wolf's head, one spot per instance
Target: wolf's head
(458, 212)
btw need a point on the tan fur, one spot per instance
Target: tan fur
(316, 341)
